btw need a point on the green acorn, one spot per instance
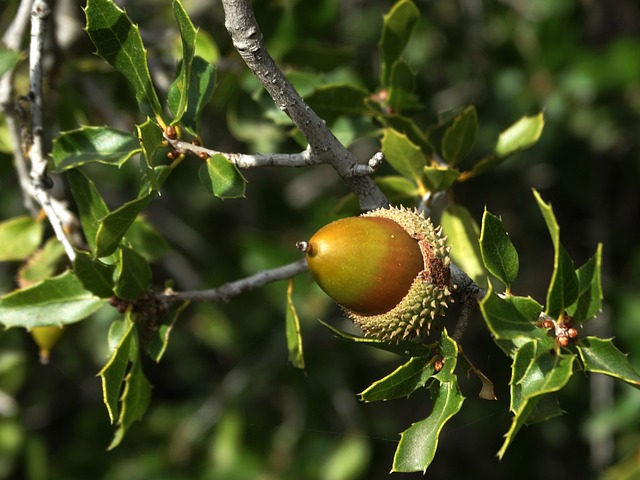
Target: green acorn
(388, 269)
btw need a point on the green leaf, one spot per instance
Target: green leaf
(93, 145)
(91, 206)
(8, 60)
(160, 339)
(43, 264)
(133, 274)
(202, 83)
(58, 300)
(460, 137)
(188, 35)
(419, 442)
(438, 179)
(563, 288)
(602, 356)
(112, 374)
(146, 240)
(294, 338)
(222, 178)
(407, 126)
(589, 301)
(134, 401)
(402, 86)
(114, 225)
(396, 31)
(118, 41)
(332, 100)
(19, 237)
(462, 235)
(403, 155)
(498, 253)
(150, 138)
(402, 382)
(522, 134)
(405, 349)
(95, 276)
(536, 371)
(398, 190)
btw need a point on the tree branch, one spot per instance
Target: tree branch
(247, 38)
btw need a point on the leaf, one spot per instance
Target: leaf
(333, 100)
(498, 253)
(522, 134)
(160, 339)
(294, 338)
(150, 138)
(112, 374)
(134, 401)
(398, 190)
(438, 179)
(58, 301)
(91, 206)
(43, 264)
(460, 136)
(19, 237)
(536, 371)
(188, 35)
(563, 288)
(589, 301)
(118, 41)
(93, 145)
(403, 155)
(202, 83)
(511, 317)
(402, 86)
(114, 225)
(95, 276)
(418, 443)
(133, 275)
(222, 178)
(405, 349)
(402, 382)
(8, 60)
(146, 240)
(462, 235)
(601, 356)
(396, 31)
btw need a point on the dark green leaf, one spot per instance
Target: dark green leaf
(294, 338)
(522, 134)
(418, 443)
(563, 288)
(402, 86)
(91, 206)
(188, 35)
(114, 225)
(112, 374)
(332, 100)
(95, 276)
(460, 137)
(403, 155)
(407, 126)
(19, 237)
(437, 179)
(150, 137)
(448, 351)
(133, 274)
(463, 233)
(55, 301)
(202, 83)
(222, 178)
(93, 144)
(146, 240)
(589, 301)
(405, 349)
(118, 41)
(396, 31)
(601, 356)
(402, 382)
(498, 253)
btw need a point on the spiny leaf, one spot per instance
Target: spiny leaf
(402, 382)
(600, 355)
(498, 253)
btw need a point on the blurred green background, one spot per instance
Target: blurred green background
(226, 404)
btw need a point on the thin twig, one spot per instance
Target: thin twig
(247, 38)
(228, 290)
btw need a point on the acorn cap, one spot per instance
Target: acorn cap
(388, 269)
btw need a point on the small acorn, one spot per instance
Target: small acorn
(388, 269)
(46, 338)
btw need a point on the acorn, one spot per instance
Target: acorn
(46, 337)
(388, 269)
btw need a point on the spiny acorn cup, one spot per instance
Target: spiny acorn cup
(388, 269)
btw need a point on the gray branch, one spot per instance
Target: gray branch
(247, 38)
